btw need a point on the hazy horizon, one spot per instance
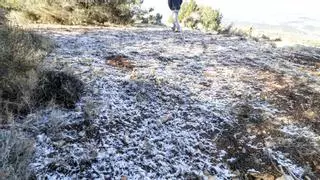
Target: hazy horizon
(249, 10)
(301, 15)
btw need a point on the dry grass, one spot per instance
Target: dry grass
(247, 32)
(300, 102)
(68, 12)
(248, 138)
(300, 107)
(24, 86)
(21, 53)
(245, 141)
(15, 154)
(120, 62)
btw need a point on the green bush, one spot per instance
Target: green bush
(148, 17)
(187, 9)
(210, 18)
(199, 17)
(72, 12)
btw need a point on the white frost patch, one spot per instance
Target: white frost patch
(286, 163)
(159, 121)
(305, 132)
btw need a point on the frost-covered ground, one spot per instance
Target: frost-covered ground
(194, 105)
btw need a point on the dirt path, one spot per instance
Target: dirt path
(161, 105)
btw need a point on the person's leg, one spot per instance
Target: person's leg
(176, 20)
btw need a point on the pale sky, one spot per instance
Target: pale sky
(263, 11)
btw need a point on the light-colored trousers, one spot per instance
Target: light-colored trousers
(176, 24)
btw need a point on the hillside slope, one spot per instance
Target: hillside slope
(164, 105)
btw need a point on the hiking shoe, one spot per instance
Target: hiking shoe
(178, 30)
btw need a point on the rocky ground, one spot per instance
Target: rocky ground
(164, 105)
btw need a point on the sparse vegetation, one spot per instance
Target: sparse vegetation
(72, 12)
(15, 154)
(248, 32)
(147, 17)
(21, 52)
(23, 87)
(231, 30)
(299, 105)
(200, 17)
(233, 103)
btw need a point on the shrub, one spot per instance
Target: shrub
(71, 12)
(21, 86)
(187, 9)
(21, 52)
(148, 17)
(210, 18)
(62, 88)
(199, 17)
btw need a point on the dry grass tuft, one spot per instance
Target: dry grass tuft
(120, 62)
(21, 52)
(23, 87)
(299, 105)
(15, 154)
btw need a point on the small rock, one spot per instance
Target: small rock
(95, 91)
(78, 109)
(166, 118)
(59, 143)
(82, 133)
